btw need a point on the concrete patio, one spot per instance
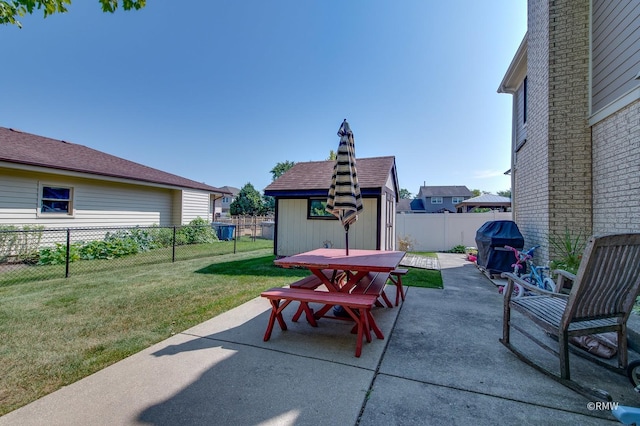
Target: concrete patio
(440, 363)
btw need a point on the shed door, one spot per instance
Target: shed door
(389, 243)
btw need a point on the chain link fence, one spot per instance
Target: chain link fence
(35, 253)
(250, 226)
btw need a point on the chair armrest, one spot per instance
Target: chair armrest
(528, 286)
(563, 276)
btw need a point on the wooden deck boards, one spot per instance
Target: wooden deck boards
(422, 262)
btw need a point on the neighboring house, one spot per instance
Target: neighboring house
(406, 206)
(54, 183)
(302, 224)
(485, 201)
(575, 148)
(222, 209)
(440, 199)
(403, 206)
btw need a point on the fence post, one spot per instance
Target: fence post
(173, 246)
(235, 237)
(68, 254)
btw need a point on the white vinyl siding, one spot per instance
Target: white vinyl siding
(18, 199)
(195, 204)
(297, 234)
(96, 203)
(615, 56)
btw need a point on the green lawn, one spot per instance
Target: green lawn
(422, 278)
(58, 331)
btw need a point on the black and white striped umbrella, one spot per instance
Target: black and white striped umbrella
(345, 198)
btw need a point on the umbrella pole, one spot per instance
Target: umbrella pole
(346, 237)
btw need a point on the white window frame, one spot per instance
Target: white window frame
(436, 200)
(457, 200)
(41, 199)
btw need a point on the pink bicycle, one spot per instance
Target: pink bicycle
(538, 275)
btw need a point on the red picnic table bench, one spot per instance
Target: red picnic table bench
(355, 282)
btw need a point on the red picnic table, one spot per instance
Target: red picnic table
(360, 262)
(349, 280)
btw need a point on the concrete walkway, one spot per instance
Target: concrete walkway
(439, 364)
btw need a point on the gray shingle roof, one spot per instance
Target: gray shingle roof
(444, 191)
(316, 175)
(24, 148)
(488, 199)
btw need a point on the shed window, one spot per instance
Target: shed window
(317, 209)
(56, 200)
(436, 200)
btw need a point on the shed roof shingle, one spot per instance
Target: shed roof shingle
(28, 149)
(316, 175)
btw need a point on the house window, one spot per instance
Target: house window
(56, 200)
(524, 102)
(436, 200)
(316, 209)
(456, 200)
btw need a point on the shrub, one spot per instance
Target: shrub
(198, 231)
(57, 255)
(28, 244)
(22, 244)
(406, 243)
(8, 238)
(161, 237)
(128, 241)
(458, 249)
(568, 250)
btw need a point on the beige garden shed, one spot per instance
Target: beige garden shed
(302, 224)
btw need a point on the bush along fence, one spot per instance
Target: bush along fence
(36, 253)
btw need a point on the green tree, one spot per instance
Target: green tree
(281, 168)
(269, 204)
(247, 202)
(332, 155)
(476, 192)
(505, 193)
(10, 10)
(405, 194)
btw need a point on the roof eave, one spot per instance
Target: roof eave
(304, 193)
(517, 70)
(107, 177)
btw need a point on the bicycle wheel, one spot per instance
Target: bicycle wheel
(529, 279)
(549, 285)
(518, 291)
(633, 373)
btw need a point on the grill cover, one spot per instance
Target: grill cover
(490, 241)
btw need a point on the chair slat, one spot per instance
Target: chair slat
(601, 298)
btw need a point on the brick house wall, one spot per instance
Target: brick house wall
(579, 168)
(553, 168)
(570, 165)
(530, 163)
(616, 172)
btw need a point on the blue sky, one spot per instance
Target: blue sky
(221, 91)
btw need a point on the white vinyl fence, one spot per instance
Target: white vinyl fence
(443, 231)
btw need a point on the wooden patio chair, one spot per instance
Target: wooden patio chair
(601, 298)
